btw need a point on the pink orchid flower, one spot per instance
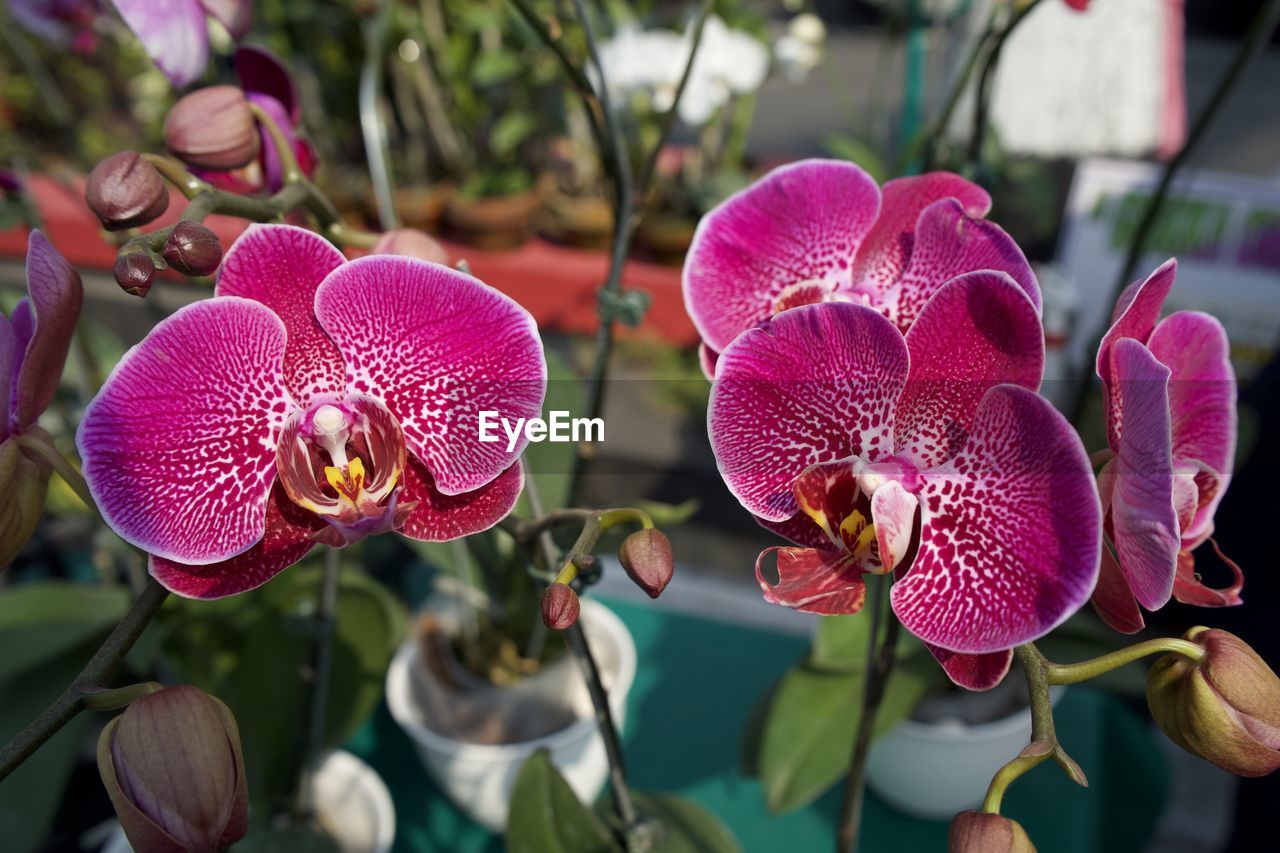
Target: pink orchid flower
(929, 455)
(821, 230)
(312, 400)
(175, 33)
(63, 23)
(1170, 396)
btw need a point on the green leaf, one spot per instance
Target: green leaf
(247, 651)
(511, 129)
(494, 66)
(856, 151)
(813, 719)
(48, 619)
(687, 826)
(547, 817)
(840, 643)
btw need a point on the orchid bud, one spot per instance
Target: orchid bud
(125, 191)
(26, 480)
(1224, 708)
(646, 555)
(213, 128)
(980, 832)
(172, 766)
(134, 272)
(560, 607)
(411, 243)
(192, 249)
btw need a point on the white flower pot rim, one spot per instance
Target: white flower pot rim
(944, 731)
(400, 703)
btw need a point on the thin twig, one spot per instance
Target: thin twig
(982, 95)
(316, 685)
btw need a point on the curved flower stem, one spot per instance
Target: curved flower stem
(982, 94)
(316, 684)
(91, 680)
(881, 656)
(62, 465)
(1074, 673)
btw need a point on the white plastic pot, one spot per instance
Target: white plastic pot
(479, 777)
(352, 805)
(934, 770)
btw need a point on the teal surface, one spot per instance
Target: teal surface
(695, 688)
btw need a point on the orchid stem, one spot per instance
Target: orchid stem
(317, 680)
(1074, 673)
(99, 670)
(982, 94)
(63, 466)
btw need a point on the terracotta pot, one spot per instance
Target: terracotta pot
(582, 221)
(423, 207)
(495, 222)
(665, 236)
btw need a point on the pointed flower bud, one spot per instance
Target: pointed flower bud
(172, 766)
(980, 832)
(125, 191)
(212, 128)
(192, 249)
(1225, 708)
(411, 243)
(560, 607)
(646, 555)
(134, 272)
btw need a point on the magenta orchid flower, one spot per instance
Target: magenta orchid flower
(33, 348)
(1170, 396)
(821, 230)
(63, 23)
(929, 455)
(175, 33)
(267, 83)
(312, 400)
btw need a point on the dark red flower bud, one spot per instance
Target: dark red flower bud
(646, 555)
(125, 191)
(193, 249)
(560, 607)
(134, 272)
(213, 128)
(979, 832)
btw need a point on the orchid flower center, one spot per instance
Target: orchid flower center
(344, 460)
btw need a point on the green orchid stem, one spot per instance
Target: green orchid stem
(62, 465)
(982, 94)
(316, 683)
(91, 680)
(880, 661)
(1074, 673)
(290, 172)
(110, 700)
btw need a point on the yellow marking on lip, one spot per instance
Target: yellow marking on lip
(349, 482)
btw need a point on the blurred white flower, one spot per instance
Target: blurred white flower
(799, 50)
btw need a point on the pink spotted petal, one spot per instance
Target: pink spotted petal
(282, 266)
(948, 243)
(973, 672)
(235, 15)
(1189, 589)
(178, 447)
(439, 347)
(817, 384)
(1142, 512)
(1202, 400)
(289, 535)
(813, 581)
(1113, 600)
(980, 330)
(436, 517)
(1010, 531)
(893, 510)
(174, 34)
(56, 294)
(801, 222)
(886, 251)
(1135, 316)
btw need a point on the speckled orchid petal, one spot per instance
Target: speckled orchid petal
(816, 384)
(1188, 588)
(289, 534)
(282, 266)
(235, 15)
(1202, 400)
(56, 294)
(707, 358)
(1142, 513)
(433, 516)
(802, 222)
(893, 511)
(173, 33)
(178, 447)
(813, 580)
(973, 672)
(980, 330)
(262, 72)
(886, 250)
(1010, 531)
(438, 347)
(1113, 600)
(1135, 316)
(949, 242)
